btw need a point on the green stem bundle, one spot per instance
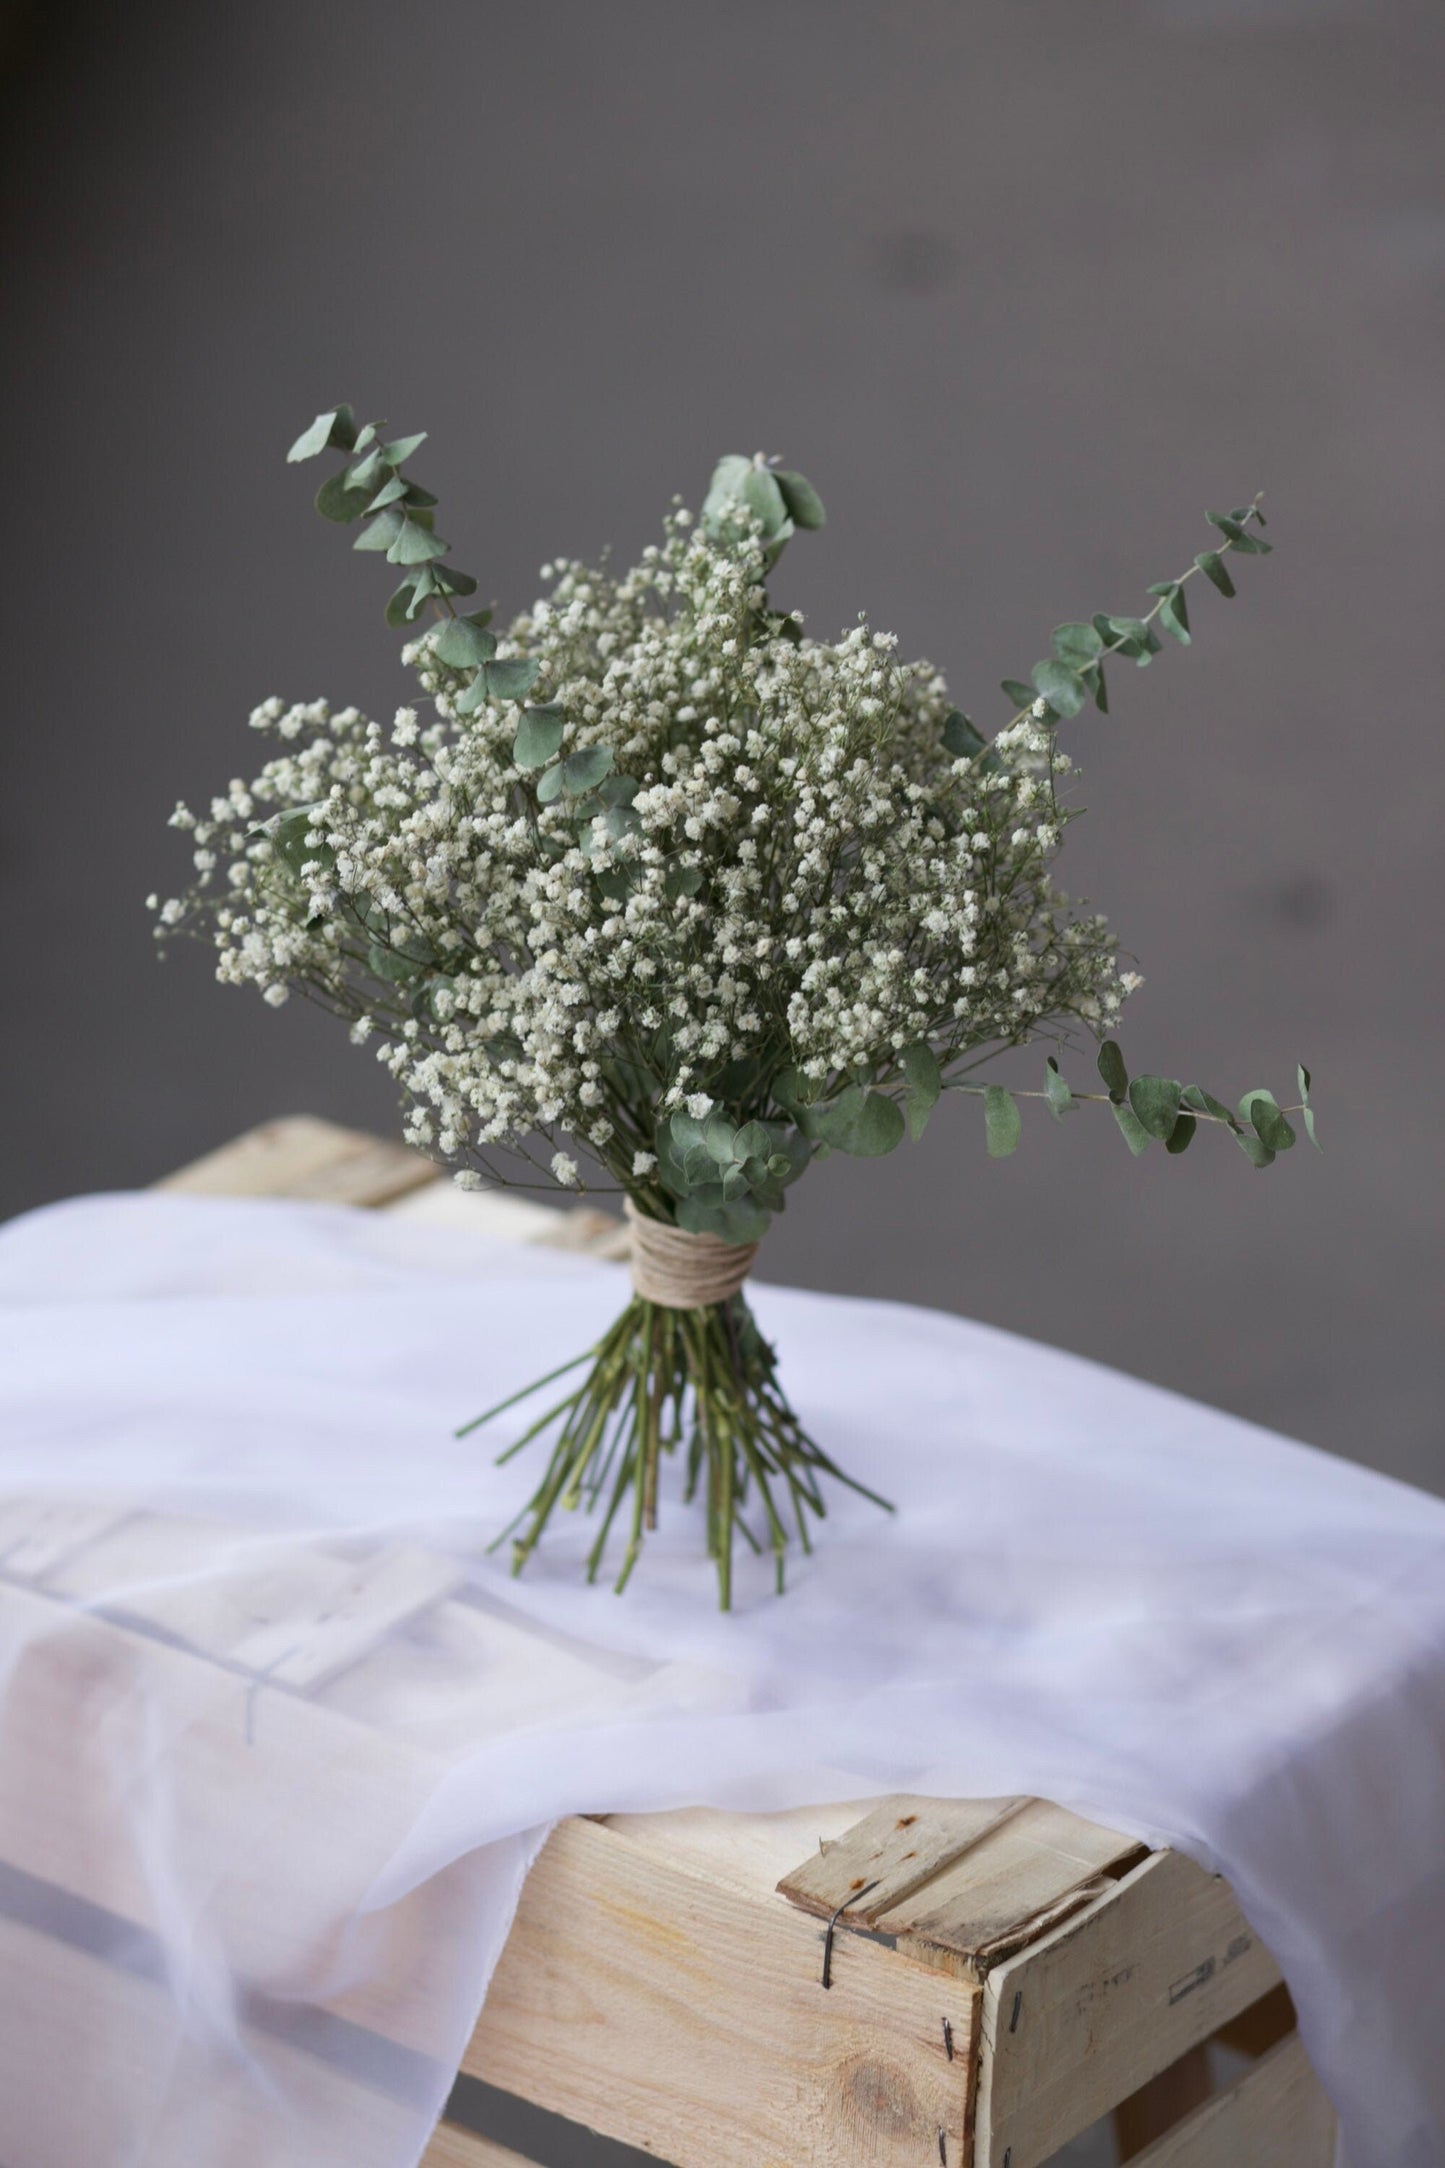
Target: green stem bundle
(701, 1385)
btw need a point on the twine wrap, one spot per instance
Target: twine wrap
(682, 1271)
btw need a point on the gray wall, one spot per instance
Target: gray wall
(1023, 286)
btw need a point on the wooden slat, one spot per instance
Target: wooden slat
(452, 2147)
(961, 1882)
(1276, 2115)
(301, 1156)
(659, 2006)
(1078, 2021)
(881, 1861)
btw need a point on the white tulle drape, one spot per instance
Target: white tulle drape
(255, 1866)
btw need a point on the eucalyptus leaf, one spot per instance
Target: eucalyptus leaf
(1203, 1102)
(1022, 696)
(1057, 1094)
(461, 645)
(1181, 1136)
(1155, 1099)
(1135, 1135)
(879, 1127)
(550, 785)
(585, 768)
(961, 737)
(381, 532)
(805, 506)
(415, 544)
(337, 428)
(1002, 1125)
(1076, 645)
(388, 493)
(539, 734)
(1270, 1126)
(682, 880)
(1212, 565)
(335, 501)
(1062, 687)
(402, 608)
(924, 1079)
(510, 679)
(402, 449)
(1255, 1150)
(1113, 1071)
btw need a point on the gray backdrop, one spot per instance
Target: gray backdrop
(1023, 286)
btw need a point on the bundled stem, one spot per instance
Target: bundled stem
(661, 1380)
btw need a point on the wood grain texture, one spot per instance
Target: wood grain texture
(454, 2148)
(1276, 2115)
(302, 1156)
(1075, 2023)
(663, 2008)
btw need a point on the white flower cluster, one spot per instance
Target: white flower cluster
(785, 867)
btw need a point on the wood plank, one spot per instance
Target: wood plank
(1277, 2114)
(452, 2147)
(1075, 2023)
(301, 1156)
(961, 1882)
(890, 1854)
(657, 2005)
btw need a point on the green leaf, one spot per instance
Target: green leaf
(682, 880)
(1155, 1099)
(402, 449)
(1255, 1150)
(1181, 1136)
(805, 506)
(461, 645)
(1077, 645)
(1212, 565)
(744, 1223)
(539, 735)
(584, 769)
(1002, 1126)
(365, 473)
(336, 428)
(388, 493)
(1056, 1091)
(1260, 1108)
(755, 1141)
(1203, 1102)
(416, 495)
(1113, 1071)
(1135, 1135)
(837, 1124)
(549, 785)
(403, 605)
(1173, 614)
(363, 438)
(509, 680)
(924, 1079)
(718, 1135)
(1302, 1077)
(415, 544)
(1062, 687)
(879, 1127)
(961, 737)
(1022, 696)
(335, 501)
(451, 582)
(381, 532)
(763, 496)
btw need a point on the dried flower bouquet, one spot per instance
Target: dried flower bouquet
(657, 894)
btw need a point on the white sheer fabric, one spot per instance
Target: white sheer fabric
(250, 1898)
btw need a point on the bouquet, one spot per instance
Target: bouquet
(649, 892)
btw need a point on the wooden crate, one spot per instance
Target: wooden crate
(894, 1985)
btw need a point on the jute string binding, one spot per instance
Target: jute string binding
(682, 1271)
